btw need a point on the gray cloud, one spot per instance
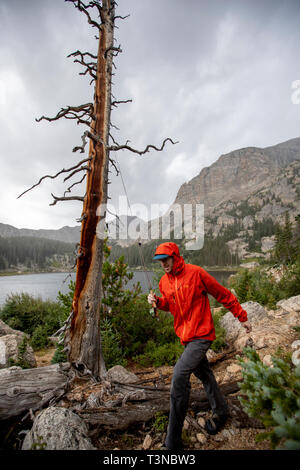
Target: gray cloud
(213, 75)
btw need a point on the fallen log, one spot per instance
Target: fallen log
(152, 402)
(23, 390)
(222, 356)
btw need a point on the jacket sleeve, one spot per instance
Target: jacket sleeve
(162, 302)
(223, 295)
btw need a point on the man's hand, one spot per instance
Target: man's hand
(151, 298)
(247, 325)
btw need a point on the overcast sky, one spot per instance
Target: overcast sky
(215, 75)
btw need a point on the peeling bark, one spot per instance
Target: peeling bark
(83, 337)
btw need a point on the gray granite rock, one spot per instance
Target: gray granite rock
(57, 428)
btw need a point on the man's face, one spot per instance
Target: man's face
(167, 264)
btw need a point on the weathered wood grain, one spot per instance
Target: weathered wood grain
(136, 413)
(25, 389)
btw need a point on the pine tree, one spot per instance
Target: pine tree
(273, 395)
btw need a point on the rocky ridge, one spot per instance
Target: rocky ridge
(239, 191)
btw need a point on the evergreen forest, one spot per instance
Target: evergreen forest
(31, 252)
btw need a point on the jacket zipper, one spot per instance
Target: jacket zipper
(177, 296)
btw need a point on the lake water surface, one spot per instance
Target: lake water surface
(47, 285)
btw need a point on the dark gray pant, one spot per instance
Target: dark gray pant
(192, 360)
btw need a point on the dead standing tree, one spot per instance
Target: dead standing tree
(82, 329)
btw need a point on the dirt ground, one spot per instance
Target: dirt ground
(239, 433)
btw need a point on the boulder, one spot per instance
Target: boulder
(57, 428)
(260, 337)
(290, 305)
(296, 352)
(233, 326)
(296, 357)
(121, 375)
(267, 243)
(10, 350)
(263, 334)
(296, 344)
(7, 330)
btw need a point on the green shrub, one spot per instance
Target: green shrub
(38, 318)
(24, 312)
(219, 342)
(289, 285)
(65, 300)
(159, 355)
(160, 422)
(255, 285)
(59, 355)
(273, 395)
(21, 361)
(39, 338)
(111, 349)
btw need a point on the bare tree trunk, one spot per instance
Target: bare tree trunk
(83, 336)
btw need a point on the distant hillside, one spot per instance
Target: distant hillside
(64, 234)
(67, 234)
(30, 253)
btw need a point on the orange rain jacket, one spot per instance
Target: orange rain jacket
(184, 294)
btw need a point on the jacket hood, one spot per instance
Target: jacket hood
(171, 249)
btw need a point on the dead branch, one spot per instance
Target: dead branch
(71, 198)
(74, 184)
(82, 54)
(72, 112)
(115, 148)
(222, 356)
(84, 143)
(91, 67)
(82, 168)
(135, 385)
(153, 401)
(118, 17)
(82, 7)
(115, 166)
(115, 103)
(114, 49)
(55, 176)
(113, 139)
(115, 127)
(94, 137)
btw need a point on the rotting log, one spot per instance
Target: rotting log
(153, 402)
(222, 356)
(22, 390)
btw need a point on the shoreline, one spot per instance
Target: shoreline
(133, 269)
(21, 273)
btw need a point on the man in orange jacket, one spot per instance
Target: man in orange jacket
(184, 289)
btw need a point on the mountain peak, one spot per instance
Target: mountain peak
(237, 174)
